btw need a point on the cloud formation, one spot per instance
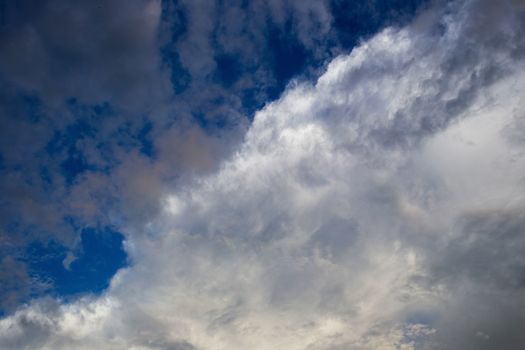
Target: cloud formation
(107, 106)
(379, 208)
(117, 62)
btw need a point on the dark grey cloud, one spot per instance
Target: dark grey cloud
(482, 264)
(486, 251)
(91, 50)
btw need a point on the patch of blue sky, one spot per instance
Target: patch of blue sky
(228, 70)
(211, 124)
(75, 164)
(287, 57)
(145, 139)
(87, 270)
(357, 20)
(176, 18)
(180, 78)
(65, 145)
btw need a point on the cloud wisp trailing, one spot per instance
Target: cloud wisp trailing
(380, 207)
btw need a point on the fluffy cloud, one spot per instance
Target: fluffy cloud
(379, 208)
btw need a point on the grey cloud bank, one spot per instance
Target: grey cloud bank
(379, 208)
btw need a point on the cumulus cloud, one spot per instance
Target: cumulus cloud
(379, 208)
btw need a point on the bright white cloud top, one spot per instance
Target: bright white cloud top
(379, 208)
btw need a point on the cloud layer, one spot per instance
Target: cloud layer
(379, 208)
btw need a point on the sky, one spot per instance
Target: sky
(278, 174)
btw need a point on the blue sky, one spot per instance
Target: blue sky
(261, 174)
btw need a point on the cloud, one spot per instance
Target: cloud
(85, 100)
(379, 208)
(106, 106)
(114, 58)
(15, 282)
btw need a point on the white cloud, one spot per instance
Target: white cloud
(356, 215)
